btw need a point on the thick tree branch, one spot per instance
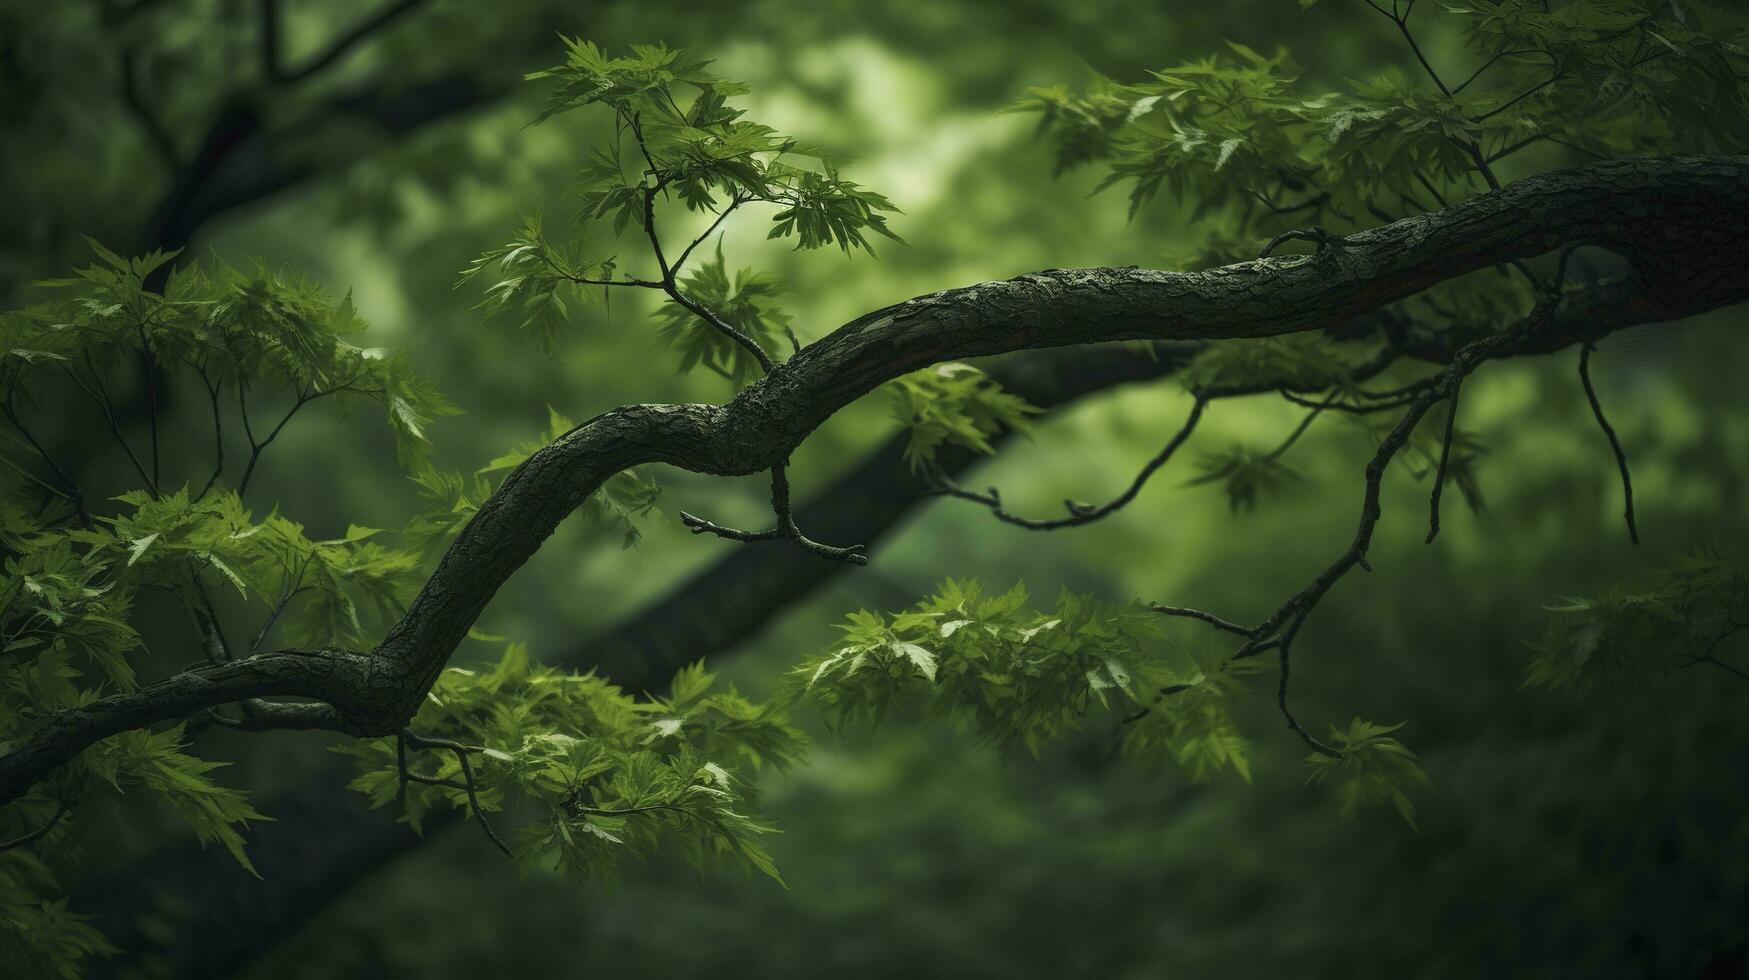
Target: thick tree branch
(730, 600)
(326, 837)
(327, 675)
(1683, 224)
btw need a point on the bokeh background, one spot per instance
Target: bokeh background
(1603, 837)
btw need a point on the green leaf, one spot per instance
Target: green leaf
(747, 302)
(954, 403)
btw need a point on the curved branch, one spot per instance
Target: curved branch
(326, 838)
(1078, 513)
(329, 675)
(1621, 456)
(40, 832)
(1683, 223)
(1439, 473)
(338, 47)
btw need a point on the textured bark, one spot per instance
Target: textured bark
(733, 597)
(1682, 223)
(325, 839)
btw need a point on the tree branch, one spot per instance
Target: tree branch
(786, 529)
(1439, 473)
(40, 832)
(326, 837)
(1078, 513)
(343, 43)
(1683, 224)
(1621, 456)
(468, 785)
(71, 491)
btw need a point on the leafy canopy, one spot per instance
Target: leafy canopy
(594, 776)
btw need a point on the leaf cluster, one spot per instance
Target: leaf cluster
(747, 302)
(235, 328)
(1245, 474)
(1686, 614)
(1020, 677)
(1240, 136)
(676, 141)
(602, 776)
(954, 403)
(1371, 767)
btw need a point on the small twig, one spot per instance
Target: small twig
(1515, 147)
(1716, 662)
(1337, 405)
(1402, 23)
(1509, 103)
(1621, 456)
(1282, 653)
(1474, 149)
(721, 326)
(1284, 624)
(1722, 637)
(1412, 388)
(1437, 196)
(413, 777)
(1294, 436)
(1078, 513)
(1593, 154)
(151, 372)
(1320, 237)
(256, 448)
(468, 786)
(1209, 618)
(72, 492)
(291, 591)
(1709, 657)
(40, 832)
(1444, 464)
(680, 262)
(207, 619)
(1312, 203)
(334, 49)
(101, 395)
(213, 389)
(701, 526)
(578, 808)
(786, 528)
(1491, 62)
(243, 410)
(46, 486)
(668, 284)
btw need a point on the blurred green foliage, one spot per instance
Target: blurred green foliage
(1562, 837)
